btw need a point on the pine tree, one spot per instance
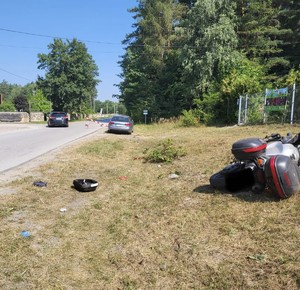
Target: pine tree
(289, 17)
(261, 35)
(149, 55)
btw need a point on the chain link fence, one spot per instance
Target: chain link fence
(252, 109)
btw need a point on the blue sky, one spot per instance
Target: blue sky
(100, 24)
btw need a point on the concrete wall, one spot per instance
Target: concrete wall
(37, 117)
(21, 117)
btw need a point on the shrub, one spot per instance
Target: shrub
(164, 151)
(7, 107)
(188, 119)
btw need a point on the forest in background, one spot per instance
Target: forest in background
(197, 57)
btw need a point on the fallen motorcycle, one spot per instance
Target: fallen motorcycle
(272, 162)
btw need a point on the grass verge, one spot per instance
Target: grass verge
(142, 230)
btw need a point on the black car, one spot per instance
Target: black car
(58, 119)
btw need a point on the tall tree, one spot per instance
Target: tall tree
(261, 35)
(210, 50)
(149, 53)
(70, 77)
(289, 17)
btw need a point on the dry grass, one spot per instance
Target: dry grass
(142, 230)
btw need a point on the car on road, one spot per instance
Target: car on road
(120, 124)
(58, 119)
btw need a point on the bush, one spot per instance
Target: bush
(188, 119)
(7, 107)
(165, 151)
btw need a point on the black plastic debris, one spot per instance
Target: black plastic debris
(40, 183)
(85, 185)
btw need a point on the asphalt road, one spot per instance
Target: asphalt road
(20, 143)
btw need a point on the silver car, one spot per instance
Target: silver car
(120, 123)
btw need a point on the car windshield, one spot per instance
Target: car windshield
(120, 119)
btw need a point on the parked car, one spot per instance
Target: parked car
(58, 119)
(120, 123)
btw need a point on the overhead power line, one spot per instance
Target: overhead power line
(51, 36)
(90, 41)
(87, 41)
(15, 75)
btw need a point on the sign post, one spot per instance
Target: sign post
(145, 113)
(293, 103)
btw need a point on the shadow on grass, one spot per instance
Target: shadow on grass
(245, 195)
(118, 132)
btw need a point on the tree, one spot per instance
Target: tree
(150, 65)
(10, 91)
(135, 87)
(39, 103)
(21, 103)
(70, 78)
(293, 76)
(245, 78)
(288, 16)
(5, 89)
(7, 106)
(261, 35)
(211, 44)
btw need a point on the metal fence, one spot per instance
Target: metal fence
(252, 109)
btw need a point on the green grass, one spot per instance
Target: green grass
(142, 230)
